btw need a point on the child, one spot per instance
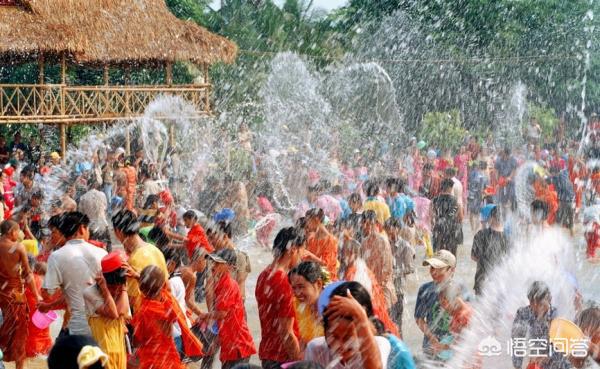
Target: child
(107, 307)
(451, 300)
(173, 258)
(404, 264)
(38, 340)
(235, 337)
(153, 322)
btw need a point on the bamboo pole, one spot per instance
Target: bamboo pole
(169, 72)
(41, 67)
(106, 77)
(172, 134)
(63, 69)
(63, 141)
(127, 142)
(206, 76)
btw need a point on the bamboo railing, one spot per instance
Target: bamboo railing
(59, 103)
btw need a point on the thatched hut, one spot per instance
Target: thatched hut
(104, 34)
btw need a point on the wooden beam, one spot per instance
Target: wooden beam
(63, 141)
(41, 67)
(63, 69)
(106, 76)
(172, 134)
(169, 72)
(127, 142)
(206, 76)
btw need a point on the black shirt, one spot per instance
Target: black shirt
(489, 248)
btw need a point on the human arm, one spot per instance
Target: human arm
(26, 272)
(109, 308)
(289, 343)
(189, 281)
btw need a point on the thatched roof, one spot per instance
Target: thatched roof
(108, 31)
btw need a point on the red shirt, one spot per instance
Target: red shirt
(197, 238)
(234, 335)
(274, 297)
(461, 319)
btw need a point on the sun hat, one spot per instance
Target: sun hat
(441, 259)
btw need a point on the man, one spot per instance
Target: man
(189, 276)
(18, 145)
(430, 185)
(431, 319)
(398, 202)
(566, 197)
(196, 236)
(72, 268)
(377, 253)
(27, 187)
(447, 217)
(457, 188)
(275, 299)
(4, 152)
(14, 268)
(141, 254)
(374, 203)
(490, 245)
(506, 168)
(93, 204)
(589, 322)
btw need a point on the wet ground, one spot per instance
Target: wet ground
(465, 272)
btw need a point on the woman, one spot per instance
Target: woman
(357, 270)
(149, 212)
(350, 340)
(107, 306)
(320, 242)
(307, 280)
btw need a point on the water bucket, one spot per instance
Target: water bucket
(43, 320)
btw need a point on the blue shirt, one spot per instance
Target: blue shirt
(429, 309)
(399, 205)
(400, 356)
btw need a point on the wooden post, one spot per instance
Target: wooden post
(172, 134)
(206, 77)
(169, 72)
(63, 69)
(41, 67)
(106, 76)
(127, 142)
(63, 141)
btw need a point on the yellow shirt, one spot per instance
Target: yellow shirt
(142, 257)
(380, 208)
(309, 325)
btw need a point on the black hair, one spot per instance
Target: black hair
(451, 171)
(446, 184)
(315, 213)
(190, 214)
(354, 197)
(393, 223)
(369, 216)
(38, 195)
(116, 277)
(225, 228)
(63, 354)
(538, 291)
(371, 188)
(247, 366)
(28, 172)
(428, 166)
(360, 294)
(126, 222)
(174, 255)
(55, 221)
(151, 199)
(482, 165)
(286, 239)
(539, 207)
(336, 190)
(71, 222)
(158, 237)
(309, 270)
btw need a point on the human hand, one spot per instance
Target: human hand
(346, 306)
(130, 272)
(43, 307)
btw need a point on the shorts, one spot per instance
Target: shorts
(565, 214)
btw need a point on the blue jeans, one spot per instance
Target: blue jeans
(108, 192)
(179, 344)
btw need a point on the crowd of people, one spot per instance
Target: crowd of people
(145, 283)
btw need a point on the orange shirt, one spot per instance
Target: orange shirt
(197, 238)
(325, 249)
(460, 319)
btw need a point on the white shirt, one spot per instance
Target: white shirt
(318, 352)
(178, 291)
(72, 268)
(457, 191)
(93, 204)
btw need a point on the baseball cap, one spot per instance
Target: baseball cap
(55, 155)
(441, 259)
(224, 256)
(113, 261)
(486, 212)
